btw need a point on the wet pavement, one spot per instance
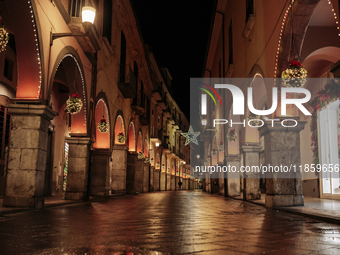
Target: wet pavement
(173, 222)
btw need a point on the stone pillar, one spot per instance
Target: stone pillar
(27, 155)
(185, 183)
(100, 173)
(163, 181)
(192, 184)
(134, 174)
(78, 168)
(282, 148)
(151, 178)
(173, 182)
(222, 176)
(176, 182)
(168, 181)
(146, 178)
(156, 179)
(251, 158)
(118, 170)
(233, 187)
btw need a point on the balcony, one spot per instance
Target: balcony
(166, 144)
(157, 136)
(128, 88)
(166, 113)
(137, 105)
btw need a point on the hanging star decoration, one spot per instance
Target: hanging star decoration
(191, 136)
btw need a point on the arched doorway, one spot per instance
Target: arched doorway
(68, 81)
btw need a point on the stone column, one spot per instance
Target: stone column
(176, 182)
(146, 177)
(251, 158)
(173, 182)
(168, 181)
(233, 188)
(156, 180)
(185, 183)
(78, 168)
(134, 174)
(163, 181)
(100, 173)
(27, 155)
(118, 170)
(282, 148)
(151, 179)
(192, 184)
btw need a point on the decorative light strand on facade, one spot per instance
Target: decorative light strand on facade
(82, 80)
(36, 45)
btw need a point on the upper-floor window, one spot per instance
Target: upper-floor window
(250, 8)
(107, 20)
(231, 47)
(75, 8)
(122, 57)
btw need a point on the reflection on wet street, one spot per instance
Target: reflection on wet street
(172, 222)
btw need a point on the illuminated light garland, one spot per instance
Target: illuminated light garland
(103, 126)
(4, 37)
(74, 104)
(232, 136)
(37, 45)
(121, 138)
(254, 119)
(140, 155)
(295, 76)
(283, 25)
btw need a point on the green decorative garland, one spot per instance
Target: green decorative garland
(329, 93)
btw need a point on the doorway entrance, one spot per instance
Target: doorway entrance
(329, 148)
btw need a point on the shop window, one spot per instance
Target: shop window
(329, 143)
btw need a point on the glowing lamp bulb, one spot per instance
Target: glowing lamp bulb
(88, 14)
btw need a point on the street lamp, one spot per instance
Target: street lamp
(157, 144)
(198, 156)
(88, 15)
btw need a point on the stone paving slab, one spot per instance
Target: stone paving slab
(173, 222)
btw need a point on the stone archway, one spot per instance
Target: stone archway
(25, 27)
(295, 22)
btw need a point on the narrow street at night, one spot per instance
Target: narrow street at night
(174, 222)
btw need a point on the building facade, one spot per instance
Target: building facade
(257, 39)
(127, 128)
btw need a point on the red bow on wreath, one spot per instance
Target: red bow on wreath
(295, 63)
(75, 95)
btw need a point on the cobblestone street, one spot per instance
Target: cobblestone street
(182, 222)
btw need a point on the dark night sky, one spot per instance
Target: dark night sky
(177, 32)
